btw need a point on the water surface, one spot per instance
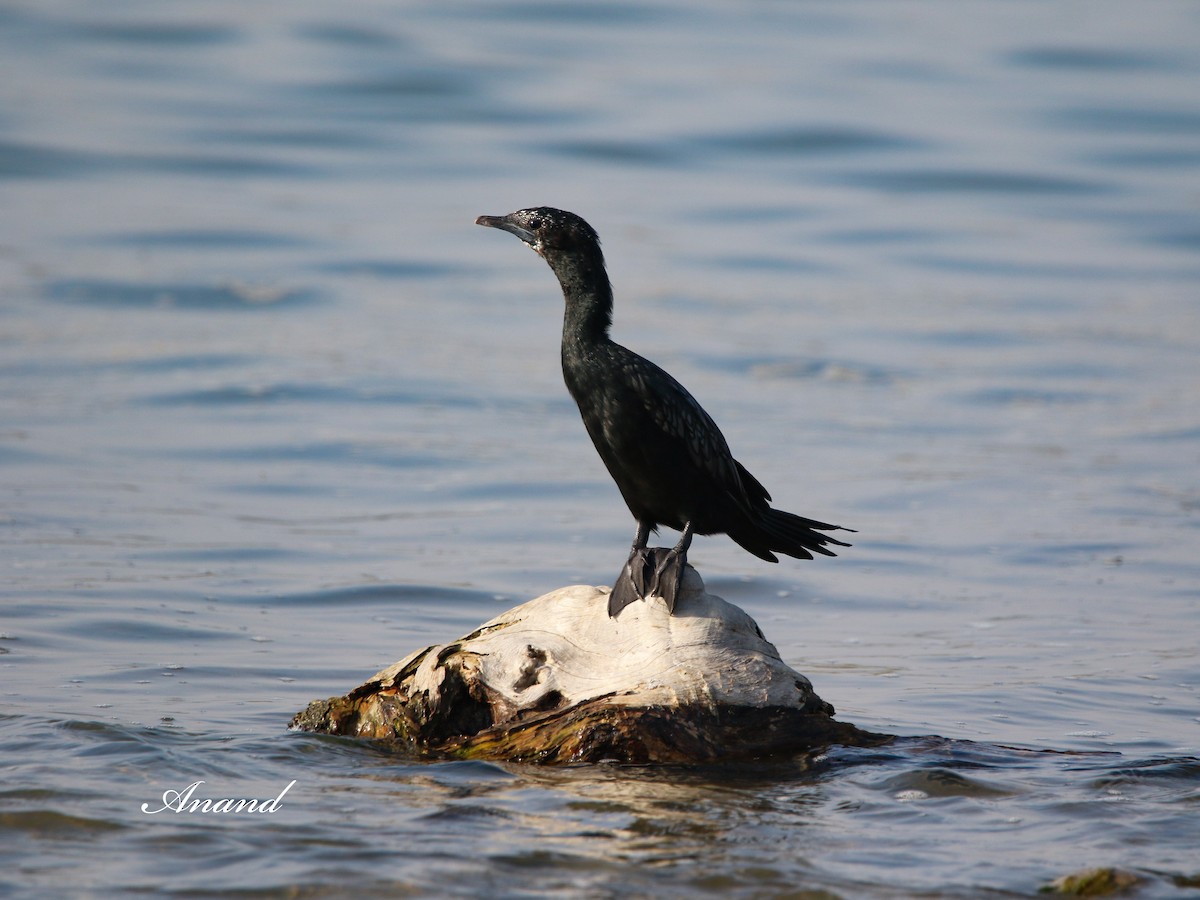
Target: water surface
(276, 414)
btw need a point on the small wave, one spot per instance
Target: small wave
(1091, 59)
(103, 293)
(971, 181)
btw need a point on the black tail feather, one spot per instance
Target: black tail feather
(776, 531)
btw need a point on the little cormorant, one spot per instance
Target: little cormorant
(667, 456)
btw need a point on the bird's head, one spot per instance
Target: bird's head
(547, 230)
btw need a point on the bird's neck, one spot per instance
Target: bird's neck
(587, 294)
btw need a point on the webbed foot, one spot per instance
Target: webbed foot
(668, 576)
(631, 583)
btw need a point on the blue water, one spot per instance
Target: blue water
(276, 413)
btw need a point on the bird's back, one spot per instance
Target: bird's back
(666, 454)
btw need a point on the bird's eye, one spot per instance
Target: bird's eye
(535, 223)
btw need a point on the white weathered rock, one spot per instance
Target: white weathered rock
(564, 646)
(556, 679)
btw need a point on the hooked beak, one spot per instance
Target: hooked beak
(504, 223)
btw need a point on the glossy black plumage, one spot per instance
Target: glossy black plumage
(665, 453)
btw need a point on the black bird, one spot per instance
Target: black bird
(666, 454)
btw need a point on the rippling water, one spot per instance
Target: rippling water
(275, 413)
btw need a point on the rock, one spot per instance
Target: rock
(556, 680)
(1100, 882)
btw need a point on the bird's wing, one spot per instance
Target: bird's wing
(677, 413)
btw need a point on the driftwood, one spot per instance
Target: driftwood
(556, 680)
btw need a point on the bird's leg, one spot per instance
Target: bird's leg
(631, 583)
(669, 573)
